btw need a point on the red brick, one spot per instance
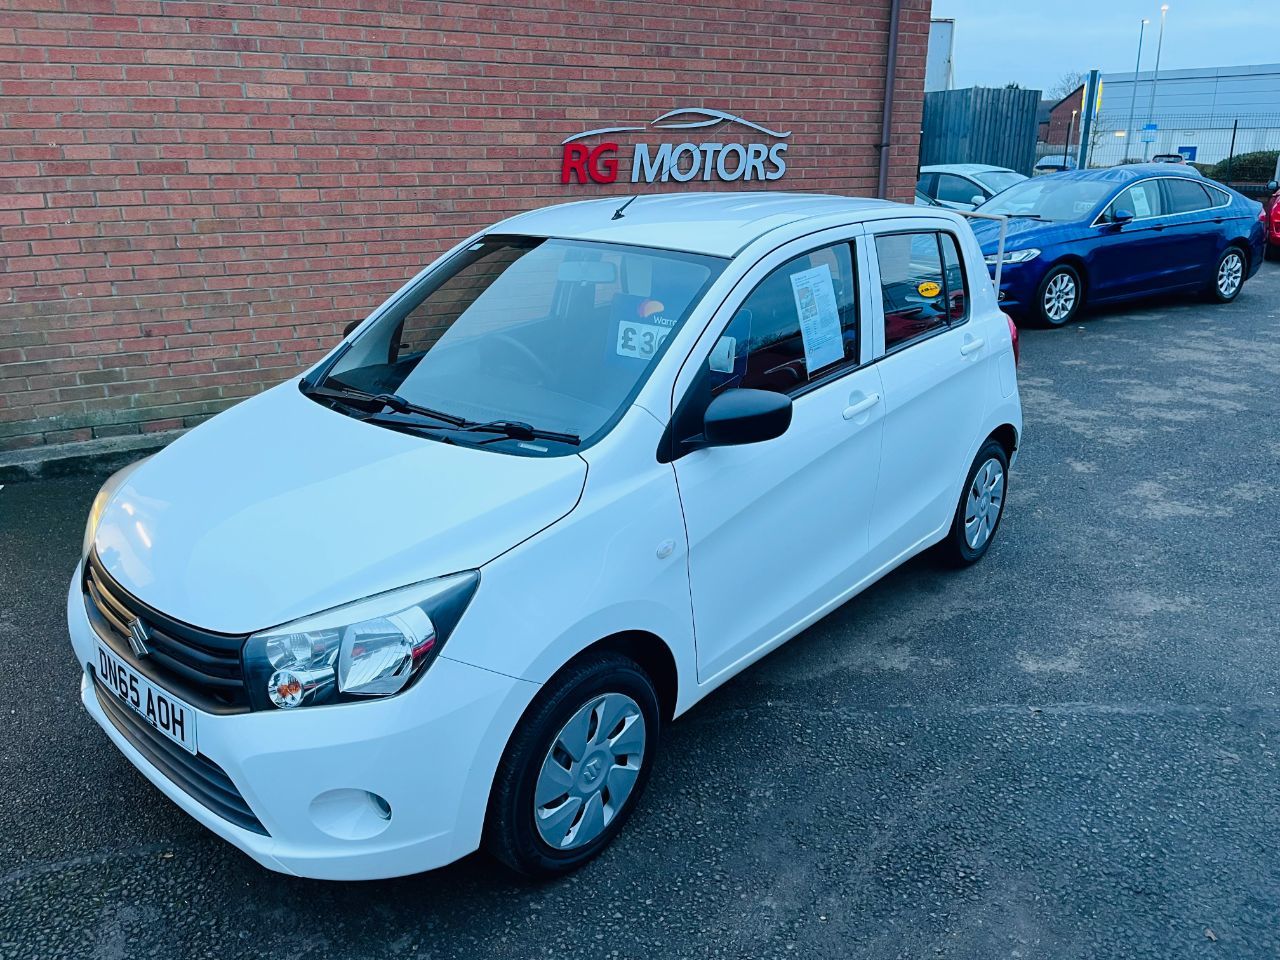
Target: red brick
(195, 198)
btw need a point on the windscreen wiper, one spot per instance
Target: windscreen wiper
(387, 401)
(410, 424)
(519, 430)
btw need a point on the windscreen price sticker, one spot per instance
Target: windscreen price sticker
(640, 340)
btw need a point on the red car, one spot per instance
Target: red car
(1272, 205)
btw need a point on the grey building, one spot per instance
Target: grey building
(1195, 112)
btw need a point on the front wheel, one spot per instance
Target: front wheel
(981, 506)
(1059, 296)
(575, 767)
(1228, 278)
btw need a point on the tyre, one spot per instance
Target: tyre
(575, 767)
(1059, 296)
(1228, 275)
(981, 506)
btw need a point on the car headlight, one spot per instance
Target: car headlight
(371, 648)
(1014, 256)
(108, 490)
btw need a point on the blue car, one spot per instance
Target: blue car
(1117, 234)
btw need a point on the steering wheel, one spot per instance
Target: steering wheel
(528, 356)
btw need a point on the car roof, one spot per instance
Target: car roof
(964, 168)
(720, 224)
(1129, 172)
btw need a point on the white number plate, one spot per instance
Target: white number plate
(640, 340)
(162, 710)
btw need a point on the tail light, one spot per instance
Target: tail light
(1013, 335)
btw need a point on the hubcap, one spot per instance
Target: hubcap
(1060, 297)
(589, 772)
(1230, 274)
(983, 504)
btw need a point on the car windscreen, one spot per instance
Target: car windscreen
(1050, 198)
(997, 180)
(554, 336)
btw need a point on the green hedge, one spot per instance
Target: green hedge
(1256, 167)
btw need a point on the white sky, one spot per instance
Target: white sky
(1035, 42)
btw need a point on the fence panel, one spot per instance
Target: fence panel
(980, 125)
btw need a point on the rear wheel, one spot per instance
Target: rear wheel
(1228, 278)
(575, 767)
(1059, 296)
(981, 506)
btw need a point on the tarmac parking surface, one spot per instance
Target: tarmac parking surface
(1069, 750)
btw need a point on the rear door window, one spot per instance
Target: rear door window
(1185, 196)
(913, 285)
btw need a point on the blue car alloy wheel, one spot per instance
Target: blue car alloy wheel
(1059, 296)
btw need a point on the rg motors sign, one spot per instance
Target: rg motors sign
(588, 159)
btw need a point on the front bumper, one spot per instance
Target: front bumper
(1018, 282)
(430, 752)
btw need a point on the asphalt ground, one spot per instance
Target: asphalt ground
(1069, 750)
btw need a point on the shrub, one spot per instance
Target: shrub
(1256, 167)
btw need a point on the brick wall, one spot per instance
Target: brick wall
(1061, 125)
(196, 197)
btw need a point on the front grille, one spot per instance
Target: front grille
(195, 774)
(201, 667)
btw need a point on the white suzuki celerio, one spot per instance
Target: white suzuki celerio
(445, 590)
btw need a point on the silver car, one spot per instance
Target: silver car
(962, 186)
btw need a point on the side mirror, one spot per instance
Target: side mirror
(346, 331)
(1121, 217)
(745, 416)
(977, 199)
(1273, 186)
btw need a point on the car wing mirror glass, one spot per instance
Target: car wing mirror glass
(1273, 186)
(745, 416)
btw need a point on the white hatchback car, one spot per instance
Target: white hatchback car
(446, 589)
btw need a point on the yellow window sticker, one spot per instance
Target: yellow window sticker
(928, 288)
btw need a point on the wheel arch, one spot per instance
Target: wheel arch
(652, 654)
(1006, 435)
(1076, 263)
(1241, 244)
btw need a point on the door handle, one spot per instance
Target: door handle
(969, 346)
(862, 406)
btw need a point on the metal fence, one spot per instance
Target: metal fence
(980, 125)
(1240, 150)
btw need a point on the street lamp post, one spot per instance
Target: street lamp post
(1133, 98)
(1066, 147)
(1155, 78)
